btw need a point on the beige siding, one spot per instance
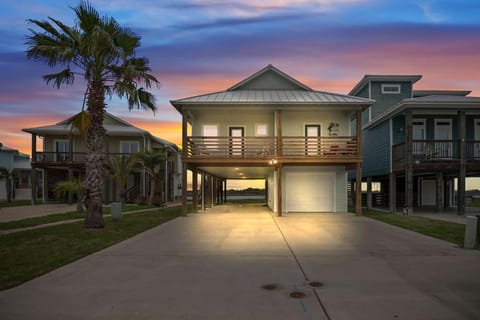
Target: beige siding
(224, 120)
(293, 123)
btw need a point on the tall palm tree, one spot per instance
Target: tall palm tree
(121, 167)
(150, 161)
(102, 52)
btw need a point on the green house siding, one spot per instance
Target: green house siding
(364, 93)
(398, 132)
(386, 101)
(376, 150)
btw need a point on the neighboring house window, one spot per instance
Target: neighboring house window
(129, 147)
(261, 130)
(62, 150)
(390, 88)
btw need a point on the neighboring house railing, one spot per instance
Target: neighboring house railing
(67, 157)
(270, 147)
(425, 150)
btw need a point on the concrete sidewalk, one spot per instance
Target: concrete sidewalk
(23, 212)
(213, 266)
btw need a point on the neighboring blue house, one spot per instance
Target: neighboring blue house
(13, 160)
(416, 142)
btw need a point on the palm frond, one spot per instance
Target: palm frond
(80, 122)
(65, 76)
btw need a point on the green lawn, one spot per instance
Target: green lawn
(30, 222)
(448, 231)
(28, 254)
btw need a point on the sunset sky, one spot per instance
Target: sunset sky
(198, 46)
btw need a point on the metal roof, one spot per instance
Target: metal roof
(385, 77)
(423, 93)
(434, 101)
(272, 97)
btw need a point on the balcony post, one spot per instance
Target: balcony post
(184, 165)
(202, 190)
(462, 171)
(409, 162)
(278, 132)
(33, 178)
(358, 180)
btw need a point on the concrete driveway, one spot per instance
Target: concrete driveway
(213, 266)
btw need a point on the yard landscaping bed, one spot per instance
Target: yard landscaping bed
(28, 254)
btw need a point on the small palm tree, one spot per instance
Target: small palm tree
(150, 161)
(120, 167)
(9, 176)
(76, 186)
(102, 52)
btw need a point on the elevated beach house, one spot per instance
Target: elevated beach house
(271, 126)
(417, 143)
(64, 151)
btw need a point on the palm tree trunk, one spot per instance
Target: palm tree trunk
(94, 159)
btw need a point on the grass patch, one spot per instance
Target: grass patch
(14, 203)
(444, 230)
(56, 217)
(28, 254)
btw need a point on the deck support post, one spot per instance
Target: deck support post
(225, 192)
(392, 192)
(194, 189)
(279, 191)
(33, 178)
(70, 178)
(369, 193)
(184, 165)
(44, 186)
(202, 190)
(462, 171)
(409, 162)
(439, 202)
(358, 188)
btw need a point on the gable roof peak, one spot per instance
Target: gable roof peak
(278, 80)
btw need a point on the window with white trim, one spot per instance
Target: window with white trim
(390, 88)
(129, 146)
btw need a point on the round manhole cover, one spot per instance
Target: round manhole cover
(269, 286)
(297, 295)
(315, 284)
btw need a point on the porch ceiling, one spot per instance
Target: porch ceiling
(239, 172)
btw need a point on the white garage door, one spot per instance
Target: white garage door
(310, 191)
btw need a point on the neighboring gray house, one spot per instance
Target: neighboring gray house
(417, 143)
(63, 157)
(13, 160)
(271, 126)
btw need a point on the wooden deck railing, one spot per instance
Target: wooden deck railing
(270, 147)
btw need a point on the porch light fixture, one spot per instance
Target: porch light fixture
(272, 162)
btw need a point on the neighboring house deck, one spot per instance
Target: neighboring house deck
(270, 126)
(64, 154)
(420, 144)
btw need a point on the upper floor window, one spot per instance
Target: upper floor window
(129, 146)
(210, 130)
(62, 150)
(390, 88)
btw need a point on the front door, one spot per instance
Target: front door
(236, 140)
(312, 133)
(443, 137)
(418, 134)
